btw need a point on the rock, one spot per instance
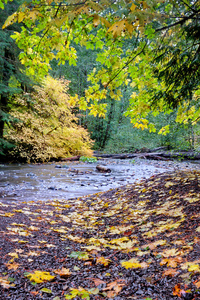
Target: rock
(103, 169)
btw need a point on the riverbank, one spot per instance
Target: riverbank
(140, 241)
(65, 180)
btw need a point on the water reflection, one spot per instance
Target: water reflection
(25, 182)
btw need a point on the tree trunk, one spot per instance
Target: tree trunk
(4, 96)
(108, 126)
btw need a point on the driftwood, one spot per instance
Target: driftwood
(73, 158)
(164, 155)
(189, 155)
(103, 169)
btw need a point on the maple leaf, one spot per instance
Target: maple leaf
(91, 248)
(45, 290)
(194, 267)
(63, 272)
(132, 263)
(169, 272)
(39, 276)
(13, 266)
(171, 262)
(102, 260)
(116, 285)
(79, 255)
(33, 228)
(153, 245)
(170, 252)
(111, 294)
(97, 281)
(13, 254)
(176, 290)
(5, 283)
(198, 229)
(33, 253)
(19, 250)
(169, 183)
(197, 284)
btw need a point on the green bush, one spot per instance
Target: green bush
(88, 159)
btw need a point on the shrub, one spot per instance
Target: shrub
(46, 128)
(88, 159)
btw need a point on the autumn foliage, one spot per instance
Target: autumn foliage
(138, 242)
(44, 126)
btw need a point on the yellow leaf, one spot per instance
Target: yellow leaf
(42, 242)
(133, 7)
(20, 16)
(117, 28)
(132, 263)
(96, 20)
(105, 22)
(33, 253)
(104, 261)
(198, 229)
(170, 252)
(10, 20)
(169, 183)
(194, 268)
(13, 254)
(39, 276)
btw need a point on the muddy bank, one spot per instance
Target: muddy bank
(66, 180)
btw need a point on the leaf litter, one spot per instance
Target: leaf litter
(140, 241)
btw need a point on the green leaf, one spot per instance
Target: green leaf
(48, 291)
(11, 279)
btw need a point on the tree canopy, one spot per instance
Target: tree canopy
(153, 46)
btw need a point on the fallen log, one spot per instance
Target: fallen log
(103, 169)
(164, 155)
(152, 156)
(116, 156)
(72, 158)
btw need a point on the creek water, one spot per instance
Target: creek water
(31, 182)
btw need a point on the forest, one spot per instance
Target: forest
(116, 77)
(119, 77)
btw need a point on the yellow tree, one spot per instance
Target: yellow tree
(161, 62)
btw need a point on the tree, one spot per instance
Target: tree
(161, 64)
(12, 77)
(45, 126)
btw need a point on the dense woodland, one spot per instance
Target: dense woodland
(116, 77)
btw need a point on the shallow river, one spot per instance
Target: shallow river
(25, 182)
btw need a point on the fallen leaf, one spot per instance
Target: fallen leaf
(5, 283)
(39, 276)
(45, 290)
(102, 260)
(197, 284)
(176, 290)
(97, 281)
(194, 268)
(169, 272)
(13, 266)
(63, 272)
(170, 252)
(132, 263)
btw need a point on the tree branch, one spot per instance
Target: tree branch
(126, 64)
(184, 19)
(192, 9)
